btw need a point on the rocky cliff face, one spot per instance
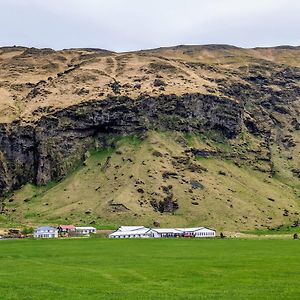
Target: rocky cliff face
(18, 156)
(49, 149)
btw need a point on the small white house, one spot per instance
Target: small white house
(85, 230)
(45, 232)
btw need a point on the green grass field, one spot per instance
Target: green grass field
(149, 269)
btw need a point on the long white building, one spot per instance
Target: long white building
(132, 232)
(198, 232)
(144, 232)
(166, 232)
(85, 230)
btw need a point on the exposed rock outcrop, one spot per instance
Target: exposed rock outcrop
(50, 148)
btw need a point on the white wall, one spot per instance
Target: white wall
(205, 233)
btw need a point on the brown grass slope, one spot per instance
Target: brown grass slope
(35, 81)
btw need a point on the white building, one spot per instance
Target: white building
(198, 232)
(144, 232)
(183, 232)
(132, 232)
(85, 230)
(166, 232)
(131, 228)
(45, 232)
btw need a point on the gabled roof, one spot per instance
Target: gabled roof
(193, 229)
(131, 232)
(66, 226)
(167, 230)
(85, 228)
(45, 228)
(130, 228)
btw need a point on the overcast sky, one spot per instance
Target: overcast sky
(123, 25)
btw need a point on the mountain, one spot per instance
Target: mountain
(176, 136)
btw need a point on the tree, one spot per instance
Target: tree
(27, 230)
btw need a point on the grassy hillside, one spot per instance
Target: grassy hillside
(158, 180)
(149, 269)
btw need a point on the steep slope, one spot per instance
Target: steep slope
(177, 136)
(163, 179)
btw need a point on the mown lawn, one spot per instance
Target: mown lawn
(149, 269)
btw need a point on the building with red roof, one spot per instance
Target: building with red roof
(65, 229)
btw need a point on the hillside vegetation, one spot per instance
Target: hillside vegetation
(181, 136)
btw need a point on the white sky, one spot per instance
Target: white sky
(123, 25)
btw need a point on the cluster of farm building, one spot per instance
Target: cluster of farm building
(144, 232)
(125, 232)
(62, 230)
(121, 232)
